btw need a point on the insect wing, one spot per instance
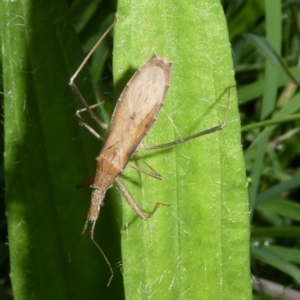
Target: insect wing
(138, 106)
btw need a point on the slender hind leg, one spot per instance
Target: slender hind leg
(130, 200)
(196, 135)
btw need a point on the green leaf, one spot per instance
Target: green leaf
(197, 245)
(46, 154)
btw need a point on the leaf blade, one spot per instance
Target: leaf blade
(170, 256)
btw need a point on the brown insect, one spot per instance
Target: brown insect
(135, 113)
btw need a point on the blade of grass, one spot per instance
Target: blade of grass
(246, 17)
(279, 188)
(292, 106)
(273, 16)
(274, 121)
(254, 90)
(198, 244)
(287, 209)
(265, 256)
(287, 254)
(272, 232)
(270, 53)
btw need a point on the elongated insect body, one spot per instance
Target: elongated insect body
(134, 114)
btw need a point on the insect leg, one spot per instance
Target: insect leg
(88, 127)
(130, 200)
(72, 79)
(152, 174)
(193, 136)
